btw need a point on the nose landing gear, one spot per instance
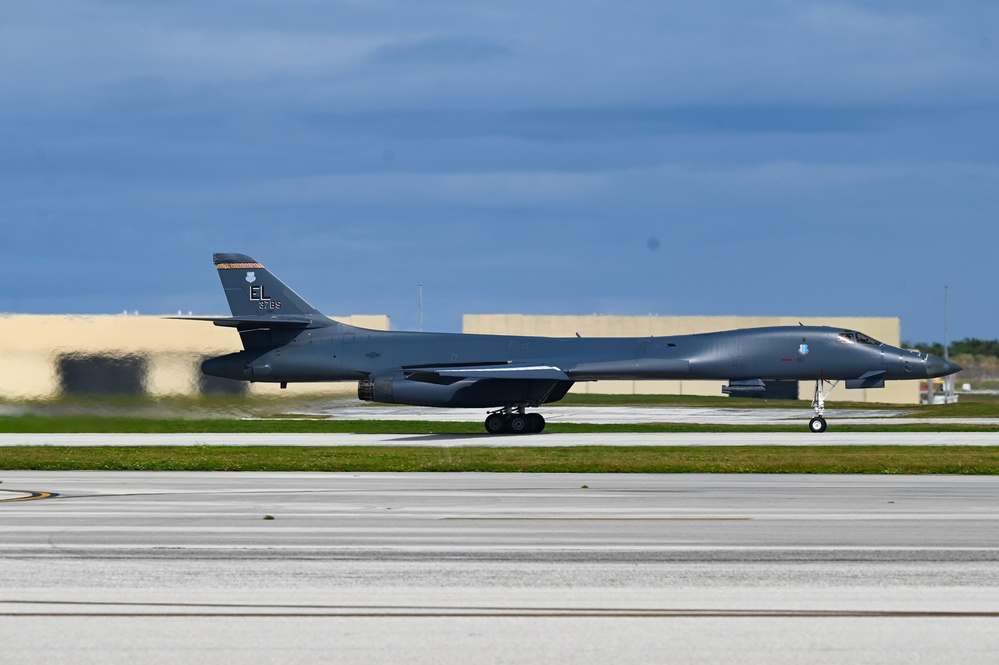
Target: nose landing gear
(818, 423)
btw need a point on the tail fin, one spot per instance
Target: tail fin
(254, 293)
(264, 311)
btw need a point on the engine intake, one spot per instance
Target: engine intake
(366, 390)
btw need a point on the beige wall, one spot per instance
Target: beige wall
(30, 346)
(887, 330)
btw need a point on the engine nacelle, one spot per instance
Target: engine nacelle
(781, 389)
(469, 393)
(745, 388)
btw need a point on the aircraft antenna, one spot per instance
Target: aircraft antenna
(421, 306)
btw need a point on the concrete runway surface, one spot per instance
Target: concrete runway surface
(497, 568)
(649, 414)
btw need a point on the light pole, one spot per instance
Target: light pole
(421, 306)
(948, 385)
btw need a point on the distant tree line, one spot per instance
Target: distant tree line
(968, 346)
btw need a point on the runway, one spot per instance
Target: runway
(648, 414)
(489, 568)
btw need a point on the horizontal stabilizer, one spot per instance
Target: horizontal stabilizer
(256, 322)
(508, 371)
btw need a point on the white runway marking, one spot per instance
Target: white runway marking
(483, 568)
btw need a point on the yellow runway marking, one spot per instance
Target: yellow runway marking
(32, 496)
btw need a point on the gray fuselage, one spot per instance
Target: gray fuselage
(344, 353)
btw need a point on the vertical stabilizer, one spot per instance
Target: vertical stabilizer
(252, 291)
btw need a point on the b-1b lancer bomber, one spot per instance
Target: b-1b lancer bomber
(285, 340)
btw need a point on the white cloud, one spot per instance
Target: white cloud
(512, 189)
(522, 55)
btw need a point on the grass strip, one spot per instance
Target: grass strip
(966, 460)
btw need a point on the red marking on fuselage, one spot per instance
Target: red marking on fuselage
(787, 360)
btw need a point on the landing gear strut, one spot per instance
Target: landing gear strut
(512, 419)
(818, 423)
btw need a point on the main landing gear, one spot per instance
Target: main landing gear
(513, 420)
(818, 423)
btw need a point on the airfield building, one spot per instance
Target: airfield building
(44, 357)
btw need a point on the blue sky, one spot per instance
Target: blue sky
(709, 158)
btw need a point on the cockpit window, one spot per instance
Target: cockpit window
(845, 337)
(864, 339)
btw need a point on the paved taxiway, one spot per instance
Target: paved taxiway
(465, 568)
(646, 414)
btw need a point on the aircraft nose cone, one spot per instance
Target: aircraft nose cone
(937, 366)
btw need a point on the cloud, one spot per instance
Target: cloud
(484, 138)
(440, 51)
(386, 54)
(511, 189)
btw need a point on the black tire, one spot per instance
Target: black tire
(531, 424)
(537, 422)
(817, 424)
(495, 424)
(518, 424)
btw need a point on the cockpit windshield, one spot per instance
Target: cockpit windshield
(851, 337)
(864, 339)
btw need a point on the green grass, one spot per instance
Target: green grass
(700, 401)
(966, 408)
(969, 406)
(242, 415)
(583, 459)
(227, 407)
